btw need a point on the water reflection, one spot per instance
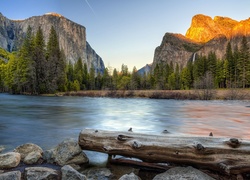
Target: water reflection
(49, 120)
(223, 118)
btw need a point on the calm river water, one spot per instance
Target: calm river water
(47, 121)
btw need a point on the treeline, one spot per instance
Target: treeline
(36, 68)
(39, 68)
(207, 71)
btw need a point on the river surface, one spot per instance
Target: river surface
(47, 121)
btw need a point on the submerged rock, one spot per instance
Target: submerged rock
(177, 173)
(130, 176)
(9, 160)
(70, 173)
(28, 148)
(67, 152)
(43, 173)
(14, 175)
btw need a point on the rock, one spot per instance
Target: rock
(204, 36)
(130, 176)
(71, 36)
(70, 173)
(2, 148)
(25, 149)
(9, 160)
(67, 152)
(98, 173)
(32, 157)
(74, 166)
(48, 156)
(13, 175)
(182, 173)
(40, 173)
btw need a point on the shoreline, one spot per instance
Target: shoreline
(217, 94)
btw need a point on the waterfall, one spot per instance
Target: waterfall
(194, 56)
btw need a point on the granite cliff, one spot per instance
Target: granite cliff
(204, 35)
(72, 37)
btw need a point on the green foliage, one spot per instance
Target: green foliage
(191, 47)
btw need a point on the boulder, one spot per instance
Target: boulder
(70, 173)
(48, 156)
(25, 149)
(32, 157)
(40, 173)
(130, 176)
(182, 173)
(9, 160)
(13, 175)
(98, 173)
(67, 152)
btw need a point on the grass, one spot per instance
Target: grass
(220, 94)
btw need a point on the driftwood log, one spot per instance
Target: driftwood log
(228, 155)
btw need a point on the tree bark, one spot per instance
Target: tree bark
(228, 155)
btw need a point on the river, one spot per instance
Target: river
(47, 121)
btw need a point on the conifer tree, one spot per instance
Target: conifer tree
(243, 63)
(40, 62)
(25, 64)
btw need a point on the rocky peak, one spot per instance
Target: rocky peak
(204, 28)
(72, 37)
(205, 35)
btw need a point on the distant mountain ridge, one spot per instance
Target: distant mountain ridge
(72, 37)
(205, 35)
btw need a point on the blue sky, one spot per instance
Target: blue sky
(127, 31)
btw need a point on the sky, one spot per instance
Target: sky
(127, 31)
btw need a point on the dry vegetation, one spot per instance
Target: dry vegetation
(222, 94)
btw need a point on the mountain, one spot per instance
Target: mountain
(205, 35)
(72, 37)
(145, 70)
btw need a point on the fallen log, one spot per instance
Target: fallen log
(228, 155)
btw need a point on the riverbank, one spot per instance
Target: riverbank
(217, 94)
(68, 161)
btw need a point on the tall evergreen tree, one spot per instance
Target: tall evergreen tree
(40, 63)
(243, 63)
(25, 66)
(56, 63)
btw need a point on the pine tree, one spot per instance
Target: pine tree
(78, 72)
(115, 79)
(25, 66)
(243, 63)
(56, 62)
(135, 80)
(41, 66)
(186, 78)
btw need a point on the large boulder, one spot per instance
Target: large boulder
(130, 176)
(13, 175)
(40, 173)
(9, 160)
(32, 157)
(182, 173)
(30, 150)
(67, 152)
(98, 173)
(70, 173)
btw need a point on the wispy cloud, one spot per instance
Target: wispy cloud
(87, 2)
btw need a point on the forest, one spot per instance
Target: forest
(40, 68)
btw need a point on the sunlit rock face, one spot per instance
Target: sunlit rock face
(205, 35)
(72, 37)
(204, 28)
